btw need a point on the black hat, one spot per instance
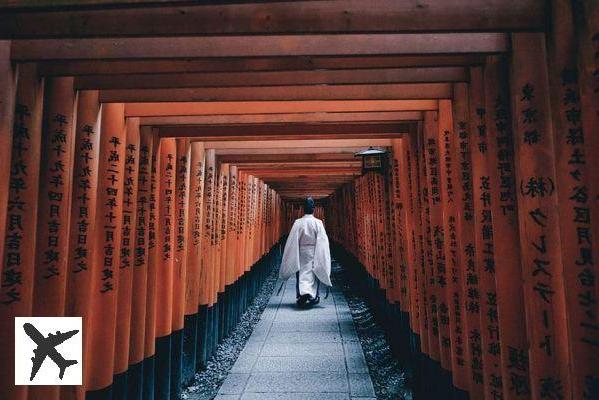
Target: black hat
(309, 206)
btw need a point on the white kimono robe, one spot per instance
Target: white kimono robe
(307, 252)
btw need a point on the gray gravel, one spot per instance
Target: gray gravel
(208, 381)
(388, 378)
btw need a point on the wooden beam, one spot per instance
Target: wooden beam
(252, 132)
(232, 64)
(238, 159)
(400, 91)
(285, 145)
(256, 46)
(299, 165)
(276, 78)
(284, 118)
(269, 17)
(342, 149)
(274, 107)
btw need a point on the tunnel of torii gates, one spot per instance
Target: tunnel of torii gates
(153, 154)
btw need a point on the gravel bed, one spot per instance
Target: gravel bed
(388, 378)
(208, 381)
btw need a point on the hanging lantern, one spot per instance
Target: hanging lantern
(373, 159)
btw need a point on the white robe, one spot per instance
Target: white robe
(307, 251)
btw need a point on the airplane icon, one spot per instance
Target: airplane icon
(46, 347)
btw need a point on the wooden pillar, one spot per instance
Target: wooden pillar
(466, 241)
(106, 249)
(577, 200)
(141, 257)
(455, 305)
(506, 237)
(483, 187)
(538, 217)
(154, 259)
(18, 264)
(8, 90)
(425, 244)
(195, 228)
(207, 259)
(58, 138)
(127, 256)
(165, 244)
(83, 219)
(435, 237)
(400, 192)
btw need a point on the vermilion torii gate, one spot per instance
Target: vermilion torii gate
(152, 153)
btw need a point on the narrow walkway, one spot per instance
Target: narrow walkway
(298, 354)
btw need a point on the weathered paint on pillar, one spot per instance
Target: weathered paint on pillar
(165, 236)
(578, 209)
(8, 90)
(465, 234)
(127, 253)
(482, 185)
(52, 242)
(83, 219)
(455, 304)
(538, 217)
(506, 237)
(180, 229)
(195, 228)
(141, 247)
(107, 247)
(18, 264)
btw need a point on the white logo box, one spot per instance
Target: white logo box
(71, 350)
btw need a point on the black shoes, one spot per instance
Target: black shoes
(307, 301)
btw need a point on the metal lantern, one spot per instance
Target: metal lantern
(373, 159)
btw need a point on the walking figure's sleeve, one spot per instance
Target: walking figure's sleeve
(322, 256)
(291, 259)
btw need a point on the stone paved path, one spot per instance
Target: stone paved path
(298, 354)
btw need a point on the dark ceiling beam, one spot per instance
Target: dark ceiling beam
(275, 78)
(385, 116)
(280, 18)
(399, 91)
(274, 107)
(252, 132)
(289, 146)
(231, 64)
(256, 46)
(297, 151)
(237, 159)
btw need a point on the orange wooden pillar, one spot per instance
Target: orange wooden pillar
(165, 245)
(399, 224)
(193, 255)
(8, 90)
(140, 256)
(83, 219)
(577, 199)
(127, 258)
(455, 305)
(425, 244)
(18, 264)
(538, 218)
(434, 238)
(483, 187)
(207, 293)
(466, 241)
(54, 206)
(506, 240)
(179, 263)
(154, 259)
(106, 252)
